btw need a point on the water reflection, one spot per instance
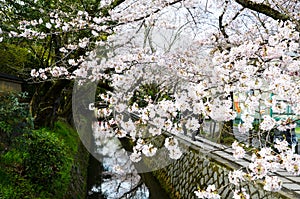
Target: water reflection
(114, 177)
(95, 170)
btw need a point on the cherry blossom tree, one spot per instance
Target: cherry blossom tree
(197, 54)
(56, 33)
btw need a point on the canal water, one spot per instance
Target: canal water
(107, 180)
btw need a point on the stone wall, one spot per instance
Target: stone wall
(201, 166)
(193, 170)
(6, 86)
(78, 184)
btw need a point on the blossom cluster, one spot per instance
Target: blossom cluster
(194, 83)
(56, 72)
(252, 65)
(264, 162)
(239, 151)
(209, 193)
(237, 194)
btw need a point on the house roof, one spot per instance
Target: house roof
(12, 78)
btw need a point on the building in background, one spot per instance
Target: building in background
(10, 83)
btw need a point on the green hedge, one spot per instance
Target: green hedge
(39, 164)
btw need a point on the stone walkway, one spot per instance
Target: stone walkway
(212, 130)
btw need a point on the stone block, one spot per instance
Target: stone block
(292, 186)
(225, 193)
(206, 178)
(285, 180)
(210, 181)
(202, 181)
(262, 193)
(220, 181)
(210, 172)
(205, 171)
(216, 176)
(206, 163)
(296, 179)
(251, 189)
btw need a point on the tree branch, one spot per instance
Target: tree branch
(147, 15)
(221, 26)
(132, 190)
(113, 4)
(263, 8)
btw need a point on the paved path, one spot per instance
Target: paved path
(212, 132)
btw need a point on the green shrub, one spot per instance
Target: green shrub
(47, 162)
(14, 117)
(38, 163)
(44, 158)
(13, 184)
(12, 157)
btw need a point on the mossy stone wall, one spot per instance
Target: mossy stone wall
(78, 186)
(198, 170)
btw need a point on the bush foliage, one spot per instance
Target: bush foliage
(44, 157)
(14, 117)
(38, 165)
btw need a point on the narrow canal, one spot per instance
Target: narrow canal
(107, 181)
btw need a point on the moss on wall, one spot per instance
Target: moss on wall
(77, 187)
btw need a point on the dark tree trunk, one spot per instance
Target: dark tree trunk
(226, 134)
(50, 101)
